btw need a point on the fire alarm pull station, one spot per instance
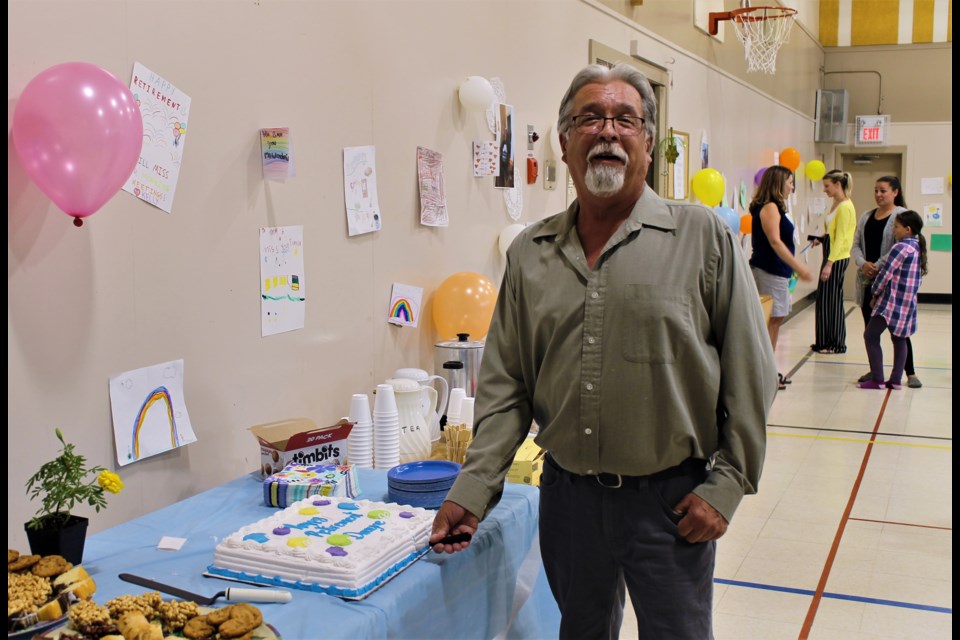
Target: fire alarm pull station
(533, 168)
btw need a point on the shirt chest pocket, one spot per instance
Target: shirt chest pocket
(655, 324)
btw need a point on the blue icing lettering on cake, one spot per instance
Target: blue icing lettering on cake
(341, 547)
(299, 481)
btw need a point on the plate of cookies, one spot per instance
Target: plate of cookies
(40, 591)
(148, 617)
(50, 599)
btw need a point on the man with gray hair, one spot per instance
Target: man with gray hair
(630, 329)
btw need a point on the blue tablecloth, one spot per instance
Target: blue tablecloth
(494, 589)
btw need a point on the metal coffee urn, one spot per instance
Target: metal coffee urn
(459, 362)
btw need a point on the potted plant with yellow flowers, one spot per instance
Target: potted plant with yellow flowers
(61, 484)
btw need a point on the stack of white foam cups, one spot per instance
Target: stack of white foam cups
(386, 428)
(466, 413)
(457, 394)
(360, 441)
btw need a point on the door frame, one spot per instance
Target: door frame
(844, 156)
(659, 78)
(842, 152)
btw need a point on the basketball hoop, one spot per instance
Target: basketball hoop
(761, 31)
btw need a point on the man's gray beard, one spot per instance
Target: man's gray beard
(604, 180)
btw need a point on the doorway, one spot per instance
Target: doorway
(659, 79)
(865, 166)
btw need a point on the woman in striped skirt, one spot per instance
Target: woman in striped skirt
(841, 223)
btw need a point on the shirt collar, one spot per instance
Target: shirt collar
(650, 210)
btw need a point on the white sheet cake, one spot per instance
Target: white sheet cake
(338, 546)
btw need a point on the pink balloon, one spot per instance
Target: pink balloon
(78, 133)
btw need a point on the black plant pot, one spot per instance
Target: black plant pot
(59, 539)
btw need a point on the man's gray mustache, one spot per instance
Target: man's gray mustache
(608, 150)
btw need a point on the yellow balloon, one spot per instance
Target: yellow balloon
(815, 170)
(463, 303)
(708, 186)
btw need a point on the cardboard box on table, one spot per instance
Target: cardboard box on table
(767, 303)
(300, 440)
(527, 464)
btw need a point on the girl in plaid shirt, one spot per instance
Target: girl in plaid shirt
(894, 300)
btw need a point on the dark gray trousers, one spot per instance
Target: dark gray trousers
(597, 541)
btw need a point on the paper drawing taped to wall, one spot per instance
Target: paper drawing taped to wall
(283, 293)
(149, 412)
(433, 202)
(360, 190)
(405, 302)
(165, 110)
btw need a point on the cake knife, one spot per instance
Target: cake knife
(230, 594)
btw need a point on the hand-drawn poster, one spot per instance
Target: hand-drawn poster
(405, 305)
(704, 151)
(505, 179)
(165, 110)
(283, 295)
(149, 412)
(276, 151)
(433, 203)
(360, 190)
(485, 162)
(933, 214)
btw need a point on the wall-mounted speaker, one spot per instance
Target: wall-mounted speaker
(832, 114)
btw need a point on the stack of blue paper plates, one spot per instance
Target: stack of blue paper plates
(421, 484)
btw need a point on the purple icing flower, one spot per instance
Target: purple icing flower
(406, 514)
(321, 503)
(281, 531)
(336, 551)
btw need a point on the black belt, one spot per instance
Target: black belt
(689, 467)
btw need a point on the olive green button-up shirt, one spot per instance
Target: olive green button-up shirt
(658, 353)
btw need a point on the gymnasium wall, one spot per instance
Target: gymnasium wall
(136, 286)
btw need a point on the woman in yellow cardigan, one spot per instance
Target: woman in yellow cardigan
(840, 226)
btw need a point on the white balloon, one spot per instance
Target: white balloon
(507, 236)
(476, 93)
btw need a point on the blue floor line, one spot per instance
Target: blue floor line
(835, 596)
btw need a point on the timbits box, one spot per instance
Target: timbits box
(299, 440)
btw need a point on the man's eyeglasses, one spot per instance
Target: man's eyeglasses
(591, 123)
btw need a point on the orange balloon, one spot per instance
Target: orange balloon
(463, 303)
(790, 158)
(746, 224)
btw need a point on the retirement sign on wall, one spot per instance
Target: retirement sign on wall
(165, 110)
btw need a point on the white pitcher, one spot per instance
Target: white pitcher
(426, 381)
(415, 443)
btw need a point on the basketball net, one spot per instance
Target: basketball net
(762, 31)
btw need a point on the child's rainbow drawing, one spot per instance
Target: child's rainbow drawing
(149, 412)
(405, 305)
(401, 310)
(160, 393)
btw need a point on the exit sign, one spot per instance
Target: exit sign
(871, 130)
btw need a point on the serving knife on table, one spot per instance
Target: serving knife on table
(230, 594)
